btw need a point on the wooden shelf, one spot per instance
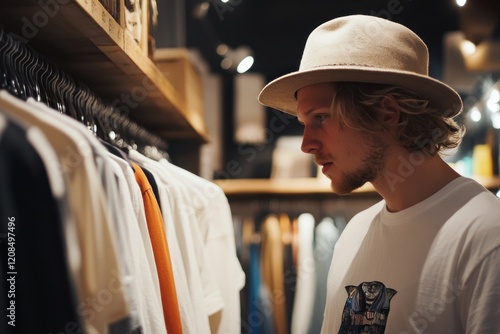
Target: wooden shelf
(299, 186)
(306, 186)
(84, 40)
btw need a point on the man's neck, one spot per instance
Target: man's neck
(410, 178)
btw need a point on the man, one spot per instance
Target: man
(426, 259)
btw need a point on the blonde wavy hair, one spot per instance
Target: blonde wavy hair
(420, 126)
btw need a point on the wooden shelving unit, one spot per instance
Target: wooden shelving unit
(84, 40)
(298, 186)
(306, 186)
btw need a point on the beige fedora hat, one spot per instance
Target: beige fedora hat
(362, 48)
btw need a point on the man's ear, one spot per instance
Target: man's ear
(391, 111)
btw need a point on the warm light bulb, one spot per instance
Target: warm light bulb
(494, 96)
(493, 107)
(468, 47)
(461, 3)
(495, 120)
(493, 101)
(475, 114)
(226, 63)
(222, 49)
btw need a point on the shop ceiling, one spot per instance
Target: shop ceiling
(276, 30)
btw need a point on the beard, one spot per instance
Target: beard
(370, 168)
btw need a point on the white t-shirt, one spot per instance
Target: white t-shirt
(306, 276)
(97, 266)
(110, 176)
(214, 218)
(146, 294)
(203, 290)
(431, 268)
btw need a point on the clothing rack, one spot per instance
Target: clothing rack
(26, 73)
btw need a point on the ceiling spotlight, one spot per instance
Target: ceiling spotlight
(461, 3)
(239, 59)
(245, 64)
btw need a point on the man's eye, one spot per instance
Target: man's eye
(320, 117)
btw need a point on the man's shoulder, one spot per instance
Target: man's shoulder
(475, 197)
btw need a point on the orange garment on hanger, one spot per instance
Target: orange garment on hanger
(161, 253)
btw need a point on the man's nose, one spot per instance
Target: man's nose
(310, 144)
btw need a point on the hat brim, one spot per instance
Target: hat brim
(280, 93)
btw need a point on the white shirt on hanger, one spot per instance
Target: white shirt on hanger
(99, 263)
(146, 289)
(303, 303)
(108, 177)
(204, 292)
(215, 221)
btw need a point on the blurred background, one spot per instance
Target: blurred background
(463, 38)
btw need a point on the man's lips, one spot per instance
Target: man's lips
(326, 167)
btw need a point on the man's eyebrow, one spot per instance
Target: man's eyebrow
(305, 114)
(310, 110)
(313, 108)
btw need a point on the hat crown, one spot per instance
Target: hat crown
(361, 48)
(365, 41)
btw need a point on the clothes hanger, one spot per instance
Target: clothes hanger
(15, 76)
(79, 103)
(20, 63)
(52, 86)
(44, 80)
(100, 117)
(68, 91)
(61, 85)
(88, 101)
(8, 52)
(3, 63)
(38, 74)
(30, 68)
(99, 112)
(94, 106)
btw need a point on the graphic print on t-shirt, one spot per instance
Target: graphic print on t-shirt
(366, 308)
